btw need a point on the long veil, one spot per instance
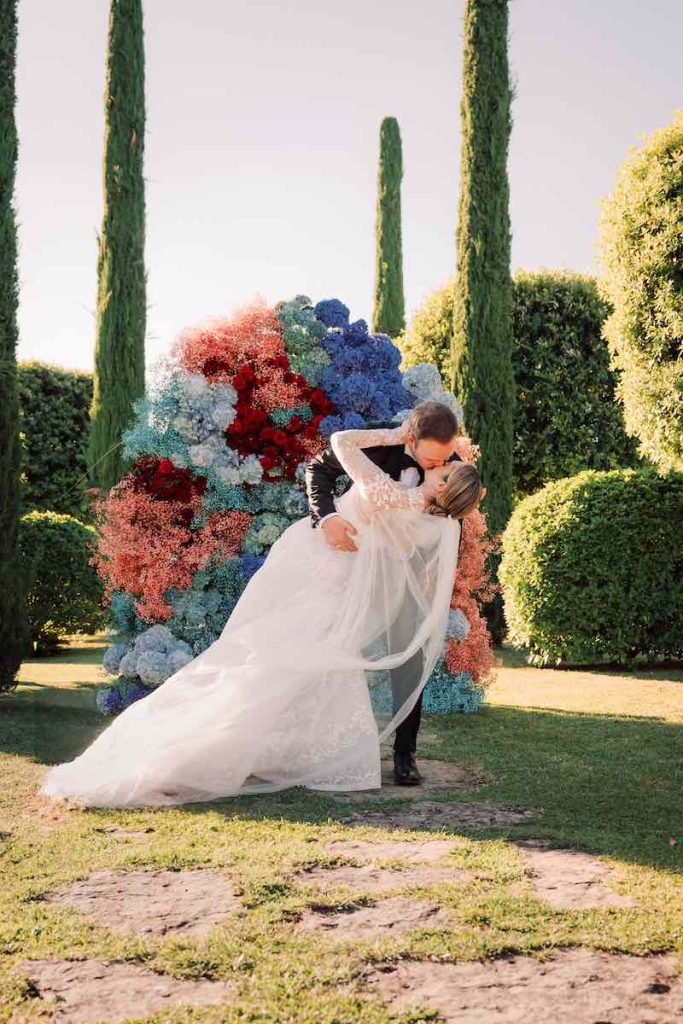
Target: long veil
(324, 655)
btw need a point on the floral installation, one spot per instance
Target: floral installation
(218, 450)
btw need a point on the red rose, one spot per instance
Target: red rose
(271, 451)
(279, 438)
(267, 463)
(311, 433)
(165, 466)
(295, 424)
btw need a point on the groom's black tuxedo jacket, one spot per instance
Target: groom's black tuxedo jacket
(323, 472)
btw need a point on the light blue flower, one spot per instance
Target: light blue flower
(458, 627)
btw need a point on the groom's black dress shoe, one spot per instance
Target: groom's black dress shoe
(405, 770)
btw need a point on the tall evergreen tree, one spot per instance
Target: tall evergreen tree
(389, 312)
(13, 628)
(482, 339)
(121, 300)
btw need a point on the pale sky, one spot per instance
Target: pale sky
(262, 142)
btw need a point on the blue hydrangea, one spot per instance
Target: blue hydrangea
(349, 421)
(264, 531)
(153, 667)
(153, 657)
(423, 383)
(445, 694)
(116, 697)
(251, 564)
(458, 627)
(112, 658)
(303, 332)
(332, 313)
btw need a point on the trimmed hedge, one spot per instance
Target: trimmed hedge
(641, 252)
(566, 415)
(592, 569)
(55, 406)
(64, 593)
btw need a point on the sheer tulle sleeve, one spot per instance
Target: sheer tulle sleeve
(375, 486)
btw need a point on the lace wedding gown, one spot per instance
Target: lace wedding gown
(296, 690)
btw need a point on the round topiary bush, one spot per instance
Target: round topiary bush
(64, 592)
(592, 569)
(641, 251)
(566, 414)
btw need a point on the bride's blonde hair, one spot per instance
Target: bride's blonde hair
(460, 496)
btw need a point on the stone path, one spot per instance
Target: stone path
(439, 778)
(421, 851)
(430, 815)
(384, 919)
(576, 986)
(568, 879)
(152, 902)
(83, 991)
(371, 879)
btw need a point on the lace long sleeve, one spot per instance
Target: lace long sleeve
(375, 486)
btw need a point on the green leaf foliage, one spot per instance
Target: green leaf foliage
(567, 417)
(64, 593)
(482, 375)
(592, 569)
(121, 297)
(55, 422)
(641, 254)
(389, 311)
(12, 618)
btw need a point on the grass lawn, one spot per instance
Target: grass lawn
(598, 756)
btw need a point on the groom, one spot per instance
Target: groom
(431, 442)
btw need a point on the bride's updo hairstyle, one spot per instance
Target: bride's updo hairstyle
(461, 494)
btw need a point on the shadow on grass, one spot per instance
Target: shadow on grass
(611, 785)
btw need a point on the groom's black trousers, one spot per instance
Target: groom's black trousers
(404, 679)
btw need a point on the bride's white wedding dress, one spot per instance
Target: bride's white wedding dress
(296, 689)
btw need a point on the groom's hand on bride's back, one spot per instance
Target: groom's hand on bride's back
(339, 533)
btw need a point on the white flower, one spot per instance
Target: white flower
(202, 455)
(195, 385)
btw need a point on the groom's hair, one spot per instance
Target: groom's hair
(434, 421)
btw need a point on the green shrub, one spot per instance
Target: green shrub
(592, 569)
(641, 251)
(55, 420)
(64, 592)
(566, 415)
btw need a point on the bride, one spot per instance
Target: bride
(296, 689)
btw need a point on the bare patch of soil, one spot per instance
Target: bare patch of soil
(384, 919)
(568, 879)
(371, 879)
(431, 815)
(81, 991)
(422, 851)
(576, 985)
(152, 902)
(439, 778)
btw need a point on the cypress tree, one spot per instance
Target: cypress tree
(482, 338)
(13, 628)
(389, 312)
(121, 301)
